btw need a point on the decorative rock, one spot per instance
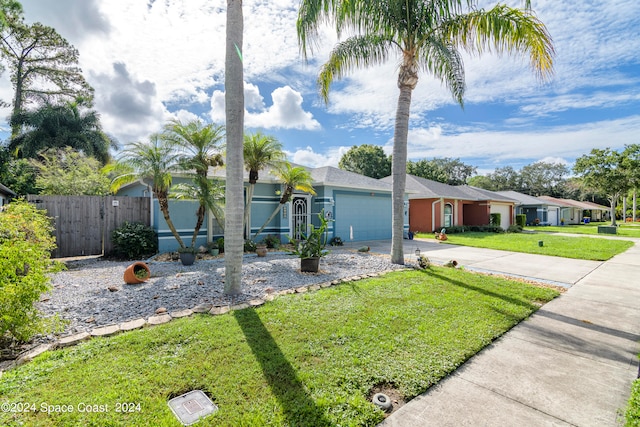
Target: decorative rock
(302, 289)
(182, 313)
(256, 302)
(202, 308)
(159, 319)
(33, 353)
(239, 306)
(314, 287)
(161, 310)
(90, 320)
(325, 284)
(73, 339)
(105, 331)
(220, 310)
(335, 282)
(113, 288)
(269, 297)
(132, 324)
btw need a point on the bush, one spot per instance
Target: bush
(26, 243)
(455, 229)
(134, 240)
(521, 220)
(272, 242)
(633, 407)
(486, 228)
(249, 246)
(494, 219)
(220, 243)
(514, 229)
(336, 241)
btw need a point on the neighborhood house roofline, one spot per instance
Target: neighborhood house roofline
(575, 204)
(527, 200)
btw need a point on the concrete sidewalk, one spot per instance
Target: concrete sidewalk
(572, 363)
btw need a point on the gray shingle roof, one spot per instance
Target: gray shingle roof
(525, 199)
(329, 175)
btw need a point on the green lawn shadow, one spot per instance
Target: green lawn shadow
(298, 407)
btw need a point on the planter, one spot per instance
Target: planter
(309, 265)
(187, 258)
(214, 252)
(261, 250)
(138, 272)
(607, 229)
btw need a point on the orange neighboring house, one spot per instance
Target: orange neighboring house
(434, 205)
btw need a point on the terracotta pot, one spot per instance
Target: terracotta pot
(130, 276)
(309, 265)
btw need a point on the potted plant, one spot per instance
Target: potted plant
(311, 246)
(187, 255)
(213, 248)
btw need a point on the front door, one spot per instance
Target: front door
(299, 217)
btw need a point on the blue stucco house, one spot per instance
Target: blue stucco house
(359, 207)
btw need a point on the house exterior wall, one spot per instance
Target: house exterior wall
(420, 218)
(506, 213)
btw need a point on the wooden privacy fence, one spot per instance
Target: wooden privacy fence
(83, 224)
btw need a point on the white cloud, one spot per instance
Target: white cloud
(308, 157)
(286, 111)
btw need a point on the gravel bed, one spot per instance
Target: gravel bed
(82, 295)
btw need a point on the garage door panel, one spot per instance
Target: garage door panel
(369, 216)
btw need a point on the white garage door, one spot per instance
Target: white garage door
(368, 216)
(505, 214)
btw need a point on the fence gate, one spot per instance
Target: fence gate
(83, 224)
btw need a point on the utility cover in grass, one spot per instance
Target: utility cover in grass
(192, 406)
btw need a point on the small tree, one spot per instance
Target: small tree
(603, 170)
(71, 173)
(26, 243)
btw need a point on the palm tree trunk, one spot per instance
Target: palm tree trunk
(407, 80)
(273, 215)
(200, 220)
(234, 107)
(164, 208)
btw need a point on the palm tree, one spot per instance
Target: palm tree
(199, 147)
(428, 36)
(293, 178)
(259, 152)
(70, 124)
(234, 108)
(153, 160)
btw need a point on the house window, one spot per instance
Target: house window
(448, 215)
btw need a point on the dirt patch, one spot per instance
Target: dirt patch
(397, 399)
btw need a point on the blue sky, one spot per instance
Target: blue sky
(150, 61)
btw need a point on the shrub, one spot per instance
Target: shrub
(486, 228)
(336, 241)
(26, 243)
(514, 229)
(134, 240)
(455, 229)
(494, 219)
(423, 262)
(272, 242)
(220, 243)
(249, 246)
(521, 220)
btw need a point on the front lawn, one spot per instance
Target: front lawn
(309, 359)
(624, 229)
(633, 409)
(588, 248)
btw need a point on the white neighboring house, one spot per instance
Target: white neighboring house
(5, 195)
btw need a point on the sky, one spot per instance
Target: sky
(150, 61)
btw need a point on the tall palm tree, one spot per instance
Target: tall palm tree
(260, 151)
(427, 35)
(293, 178)
(154, 161)
(234, 108)
(70, 124)
(199, 146)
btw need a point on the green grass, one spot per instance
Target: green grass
(305, 360)
(588, 248)
(624, 229)
(632, 415)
